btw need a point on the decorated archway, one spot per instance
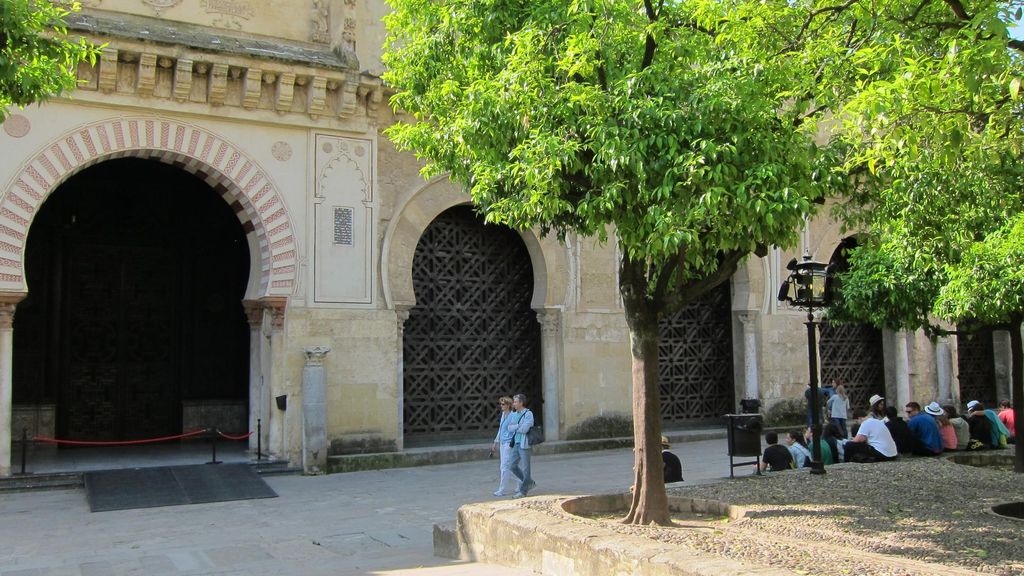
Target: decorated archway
(227, 168)
(235, 176)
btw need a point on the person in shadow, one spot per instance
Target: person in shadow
(899, 431)
(673, 467)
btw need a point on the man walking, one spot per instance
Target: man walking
(520, 422)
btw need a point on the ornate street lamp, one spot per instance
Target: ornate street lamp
(807, 287)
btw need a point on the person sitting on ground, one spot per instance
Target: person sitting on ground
(981, 428)
(998, 432)
(775, 457)
(873, 442)
(962, 428)
(877, 404)
(673, 467)
(828, 445)
(833, 436)
(946, 430)
(1006, 417)
(797, 448)
(899, 431)
(927, 439)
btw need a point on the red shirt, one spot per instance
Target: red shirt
(1006, 416)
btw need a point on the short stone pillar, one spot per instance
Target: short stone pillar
(314, 411)
(751, 385)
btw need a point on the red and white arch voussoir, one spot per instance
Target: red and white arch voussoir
(235, 176)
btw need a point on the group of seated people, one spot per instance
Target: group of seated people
(882, 435)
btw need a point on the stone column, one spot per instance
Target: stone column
(257, 403)
(944, 370)
(1002, 352)
(273, 361)
(751, 386)
(550, 339)
(902, 372)
(401, 315)
(314, 411)
(8, 303)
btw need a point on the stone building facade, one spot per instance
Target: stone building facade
(213, 231)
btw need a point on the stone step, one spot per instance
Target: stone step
(70, 480)
(428, 456)
(36, 482)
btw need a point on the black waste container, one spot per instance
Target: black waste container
(745, 434)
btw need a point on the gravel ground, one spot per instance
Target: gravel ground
(871, 519)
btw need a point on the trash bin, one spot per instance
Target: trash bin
(744, 435)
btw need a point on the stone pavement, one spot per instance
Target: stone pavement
(375, 522)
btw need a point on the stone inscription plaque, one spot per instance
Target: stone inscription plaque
(343, 226)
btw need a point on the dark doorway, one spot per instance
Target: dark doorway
(134, 321)
(472, 336)
(695, 367)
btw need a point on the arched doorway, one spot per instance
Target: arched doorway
(472, 335)
(133, 326)
(851, 353)
(695, 360)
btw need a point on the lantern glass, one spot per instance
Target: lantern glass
(806, 284)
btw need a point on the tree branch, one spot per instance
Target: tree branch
(649, 43)
(686, 293)
(958, 9)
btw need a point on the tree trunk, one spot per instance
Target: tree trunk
(649, 502)
(1017, 391)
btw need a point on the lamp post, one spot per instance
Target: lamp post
(806, 288)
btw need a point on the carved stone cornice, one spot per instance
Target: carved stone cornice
(211, 67)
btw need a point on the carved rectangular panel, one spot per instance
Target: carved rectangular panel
(344, 206)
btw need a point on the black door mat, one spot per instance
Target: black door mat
(173, 486)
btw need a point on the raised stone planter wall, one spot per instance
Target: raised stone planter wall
(511, 534)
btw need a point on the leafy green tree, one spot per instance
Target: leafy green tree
(37, 58)
(936, 136)
(683, 129)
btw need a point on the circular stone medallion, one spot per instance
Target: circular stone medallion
(281, 150)
(17, 126)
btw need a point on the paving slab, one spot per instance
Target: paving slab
(372, 522)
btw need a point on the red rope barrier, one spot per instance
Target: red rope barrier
(229, 437)
(47, 440)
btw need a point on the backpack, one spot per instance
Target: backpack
(535, 435)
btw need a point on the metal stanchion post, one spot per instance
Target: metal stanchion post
(259, 439)
(24, 448)
(213, 446)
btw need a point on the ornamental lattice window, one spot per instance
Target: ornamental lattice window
(695, 360)
(852, 355)
(472, 335)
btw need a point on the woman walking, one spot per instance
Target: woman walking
(838, 408)
(501, 442)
